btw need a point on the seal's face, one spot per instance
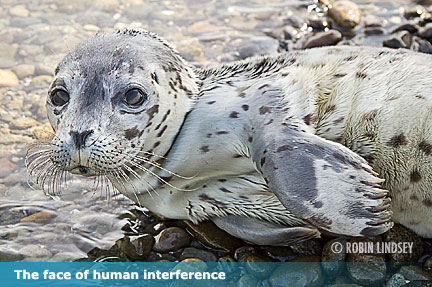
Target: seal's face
(115, 101)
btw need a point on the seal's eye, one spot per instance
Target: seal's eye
(59, 98)
(134, 97)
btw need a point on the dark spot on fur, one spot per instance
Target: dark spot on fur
(370, 115)
(308, 119)
(425, 147)
(205, 148)
(156, 144)
(269, 122)
(245, 107)
(225, 190)
(340, 75)
(413, 197)
(209, 135)
(397, 141)
(330, 108)
(264, 110)
(318, 204)
(166, 178)
(361, 75)
(338, 120)
(350, 58)
(234, 115)
(283, 148)
(222, 180)
(415, 176)
(250, 139)
(420, 97)
(243, 197)
(427, 202)
(211, 102)
(263, 86)
(161, 132)
(132, 145)
(242, 95)
(263, 159)
(211, 200)
(222, 133)
(152, 111)
(131, 133)
(237, 156)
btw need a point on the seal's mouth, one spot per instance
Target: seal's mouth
(83, 170)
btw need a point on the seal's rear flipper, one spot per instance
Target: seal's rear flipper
(319, 181)
(260, 232)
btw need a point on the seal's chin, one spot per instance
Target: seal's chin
(83, 170)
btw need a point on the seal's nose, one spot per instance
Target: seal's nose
(79, 139)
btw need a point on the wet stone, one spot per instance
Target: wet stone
(258, 265)
(40, 217)
(345, 13)
(406, 27)
(35, 251)
(329, 38)
(308, 247)
(213, 237)
(19, 10)
(396, 280)
(333, 256)
(191, 252)
(241, 252)
(426, 31)
(247, 281)
(411, 273)
(24, 70)
(7, 255)
(137, 247)
(171, 239)
(398, 40)
(307, 274)
(424, 46)
(6, 167)
(419, 284)
(370, 21)
(8, 78)
(414, 12)
(402, 234)
(427, 266)
(374, 31)
(254, 46)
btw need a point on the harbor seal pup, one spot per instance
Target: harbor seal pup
(271, 149)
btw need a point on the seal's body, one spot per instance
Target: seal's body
(255, 146)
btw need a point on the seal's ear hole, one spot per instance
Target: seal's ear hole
(155, 77)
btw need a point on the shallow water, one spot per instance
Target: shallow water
(35, 35)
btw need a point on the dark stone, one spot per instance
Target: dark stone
(400, 233)
(426, 31)
(240, 253)
(299, 275)
(137, 247)
(333, 260)
(191, 252)
(414, 11)
(411, 273)
(308, 247)
(9, 255)
(406, 27)
(171, 239)
(398, 40)
(374, 31)
(329, 38)
(397, 280)
(427, 266)
(213, 237)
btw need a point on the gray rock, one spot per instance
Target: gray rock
(24, 70)
(374, 31)
(191, 252)
(241, 252)
(7, 55)
(400, 233)
(298, 274)
(171, 239)
(406, 27)
(397, 280)
(398, 40)
(7, 255)
(247, 281)
(414, 12)
(258, 45)
(372, 21)
(411, 273)
(329, 38)
(137, 247)
(333, 262)
(426, 31)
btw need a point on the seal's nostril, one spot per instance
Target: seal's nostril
(80, 138)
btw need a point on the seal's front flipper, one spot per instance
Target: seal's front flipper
(319, 181)
(260, 232)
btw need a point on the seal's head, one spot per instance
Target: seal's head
(113, 97)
